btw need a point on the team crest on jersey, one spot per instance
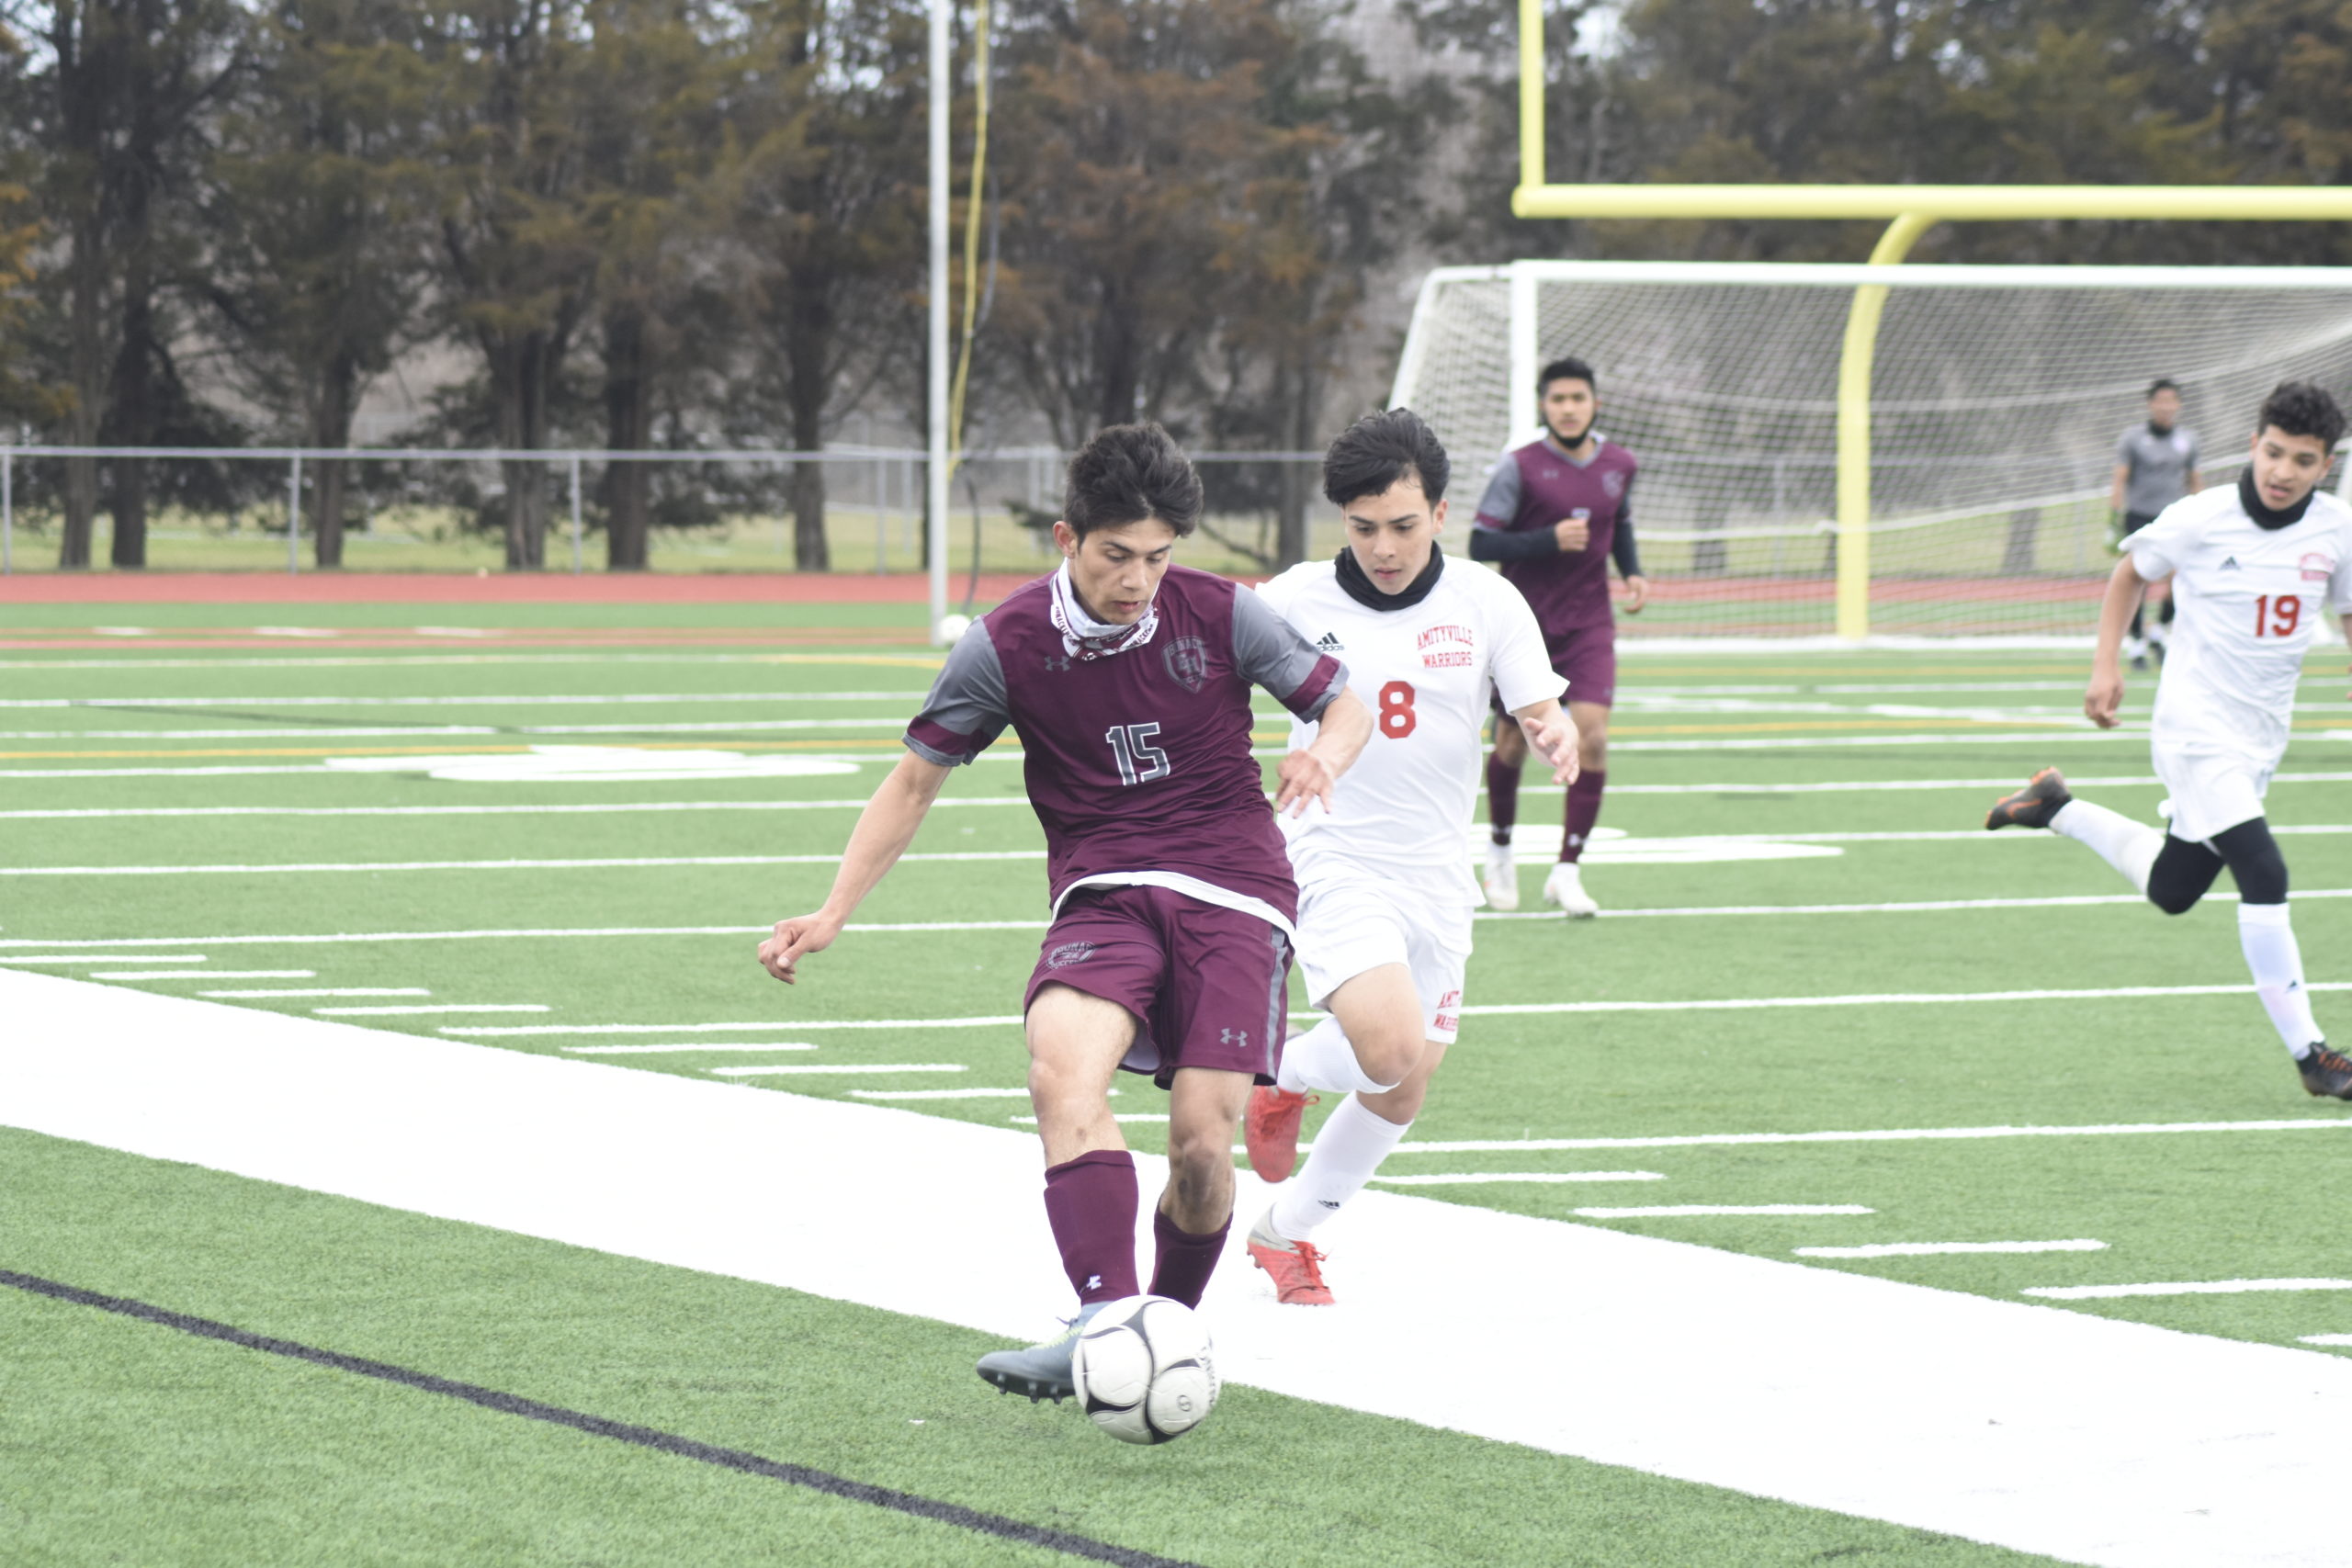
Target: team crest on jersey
(1187, 659)
(1069, 952)
(2316, 567)
(1614, 483)
(1447, 647)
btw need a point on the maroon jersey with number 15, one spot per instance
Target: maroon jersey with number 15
(1136, 760)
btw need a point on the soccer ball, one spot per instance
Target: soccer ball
(951, 630)
(1145, 1370)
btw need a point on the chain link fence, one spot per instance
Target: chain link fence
(423, 509)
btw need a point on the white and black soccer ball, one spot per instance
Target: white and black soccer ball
(1145, 1370)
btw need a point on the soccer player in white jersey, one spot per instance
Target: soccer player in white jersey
(2251, 565)
(1385, 891)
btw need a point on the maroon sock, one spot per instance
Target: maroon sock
(1181, 1271)
(1584, 810)
(1502, 798)
(1090, 1203)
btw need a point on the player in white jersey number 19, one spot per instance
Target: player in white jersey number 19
(2251, 565)
(1385, 891)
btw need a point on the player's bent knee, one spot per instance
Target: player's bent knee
(2254, 862)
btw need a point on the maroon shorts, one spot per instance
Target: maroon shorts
(1209, 986)
(1587, 660)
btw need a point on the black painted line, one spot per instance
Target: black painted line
(833, 1485)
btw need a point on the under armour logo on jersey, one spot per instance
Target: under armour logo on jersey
(1331, 643)
(2230, 563)
(1094, 1282)
(1055, 662)
(1239, 1037)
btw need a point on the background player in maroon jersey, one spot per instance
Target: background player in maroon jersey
(1555, 513)
(1128, 680)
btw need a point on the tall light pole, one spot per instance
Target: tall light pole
(936, 520)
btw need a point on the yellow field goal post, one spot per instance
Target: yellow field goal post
(1908, 211)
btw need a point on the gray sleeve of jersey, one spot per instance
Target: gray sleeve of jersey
(2124, 449)
(966, 710)
(1269, 652)
(1500, 505)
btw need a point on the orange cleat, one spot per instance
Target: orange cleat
(1269, 1131)
(1295, 1266)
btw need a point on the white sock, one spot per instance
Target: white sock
(2268, 939)
(1322, 1058)
(1346, 1150)
(2130, 846)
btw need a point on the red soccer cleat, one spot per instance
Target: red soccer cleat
(1269, 1131)
(1295, 1266)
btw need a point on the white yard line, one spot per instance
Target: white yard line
(2314, 1124)
(435, 1007)
(1488, 1178)
(1700, 1211)
(699, 1047)
(325, 991)
(2327, 1339)
(798, 1024)
(1883, 999)
(2194, 1288)
(600, 862)
(812, 1069)
(532, 934)
(1695, 842)
(2048, 1431)
(1142, 1116)
(205, 975)
(104, 958)
(566, 699)
(622, 808)
(941, 1093)
(1947, 1248)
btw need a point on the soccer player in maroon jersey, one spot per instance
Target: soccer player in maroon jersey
(1170, 950)
(1555, 513)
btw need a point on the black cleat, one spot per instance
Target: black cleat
(1041, 1371)
(2033, 805)
(2325, 1072)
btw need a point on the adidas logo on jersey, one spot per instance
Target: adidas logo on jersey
(2230, 563)
(1330, 644)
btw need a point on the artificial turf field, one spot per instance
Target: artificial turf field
(172, 765)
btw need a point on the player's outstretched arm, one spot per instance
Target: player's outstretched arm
(1339, 736)
(2105, 696)
(883, 832)
(1552, 734)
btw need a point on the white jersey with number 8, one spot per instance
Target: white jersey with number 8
(2249, 599)
(1425, 671)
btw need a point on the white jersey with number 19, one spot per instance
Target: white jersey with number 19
(1425, 670)
(2250, 600)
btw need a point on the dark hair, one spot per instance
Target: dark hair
(1378, 451)
(1570, 369)
(2164, 384)
(2298, 408)
(1129, 473)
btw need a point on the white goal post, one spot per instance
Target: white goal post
(1972, 419)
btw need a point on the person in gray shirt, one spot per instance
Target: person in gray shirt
(2156, 465)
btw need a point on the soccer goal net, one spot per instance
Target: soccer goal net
(1996, 399)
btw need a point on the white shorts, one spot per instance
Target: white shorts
(1347, 927)
(2211, 791)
